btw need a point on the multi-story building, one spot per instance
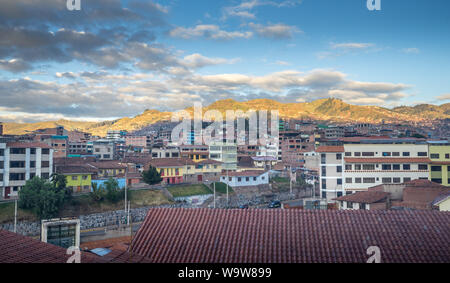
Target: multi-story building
(171, 169)
(78, 177)
(115, 134)
(359, 165)
(165, 152)
(440, 162)
(103, 149)
(225, 153)
(196, 153)
(203, 171)
(139, 141)
(21, 161)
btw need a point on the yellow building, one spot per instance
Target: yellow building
(443, 202)
(78, 177)
(109, 168)
(439, 169)
(171, 169)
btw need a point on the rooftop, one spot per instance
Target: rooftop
(364, 197)
(180, 235)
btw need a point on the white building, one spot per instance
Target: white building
(21, 161)
(358, 165)
(245, 178)
(225, 153)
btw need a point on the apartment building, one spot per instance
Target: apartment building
(165, 152)
(103, 149)
(358, 165)
(21, 161)
(139, 141)
(225, 153)
(440, 162)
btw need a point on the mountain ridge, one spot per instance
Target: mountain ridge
(327, 109)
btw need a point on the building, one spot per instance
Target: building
(115, 134)
(180, 235)
(204, 171)
(171, 169)
(248, 178)
(195, 152)
(166, 152)
(21, 161)
(361, 162)
(78, 177)
(106, 169)
(370, 200)
(442, 202)
(104, 149)
(440, 162)
(64, 232)
(225, 153)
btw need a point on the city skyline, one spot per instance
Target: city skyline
(115, 59)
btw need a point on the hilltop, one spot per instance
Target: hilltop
(328, 109)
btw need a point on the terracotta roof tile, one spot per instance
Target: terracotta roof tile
(28, 145)
(265, 235)
(364, 197)
(330, 148)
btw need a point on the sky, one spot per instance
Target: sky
(115, 58)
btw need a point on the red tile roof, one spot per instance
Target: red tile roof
(111, 164)
(386, 160)
(420, 198)
(244, 173)
(365, 197)
(16, 248)
(170, 162)
(75, 169)
(330, 148)
(265, 235)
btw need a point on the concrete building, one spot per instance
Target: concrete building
(21, 161)
(245, 178)
(440, 162)
(363, 163)
(225, 153)
(165, 152)
(104, 149)
(140, 141)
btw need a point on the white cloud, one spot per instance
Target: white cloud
(275, 31)
(209, 32)
(411, 50)
(443, 97)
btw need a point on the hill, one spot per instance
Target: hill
(329, 109)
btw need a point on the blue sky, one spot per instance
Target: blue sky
(116, 58)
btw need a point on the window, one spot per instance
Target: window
(368, 154)
(45, 164)
(339, 169)
(405, 153)
(17, 176)
(32, 175)
(239, 179)
(45, 151)
(436, 168)
(368, 166)
(339, 156)
(74, 178)
(396, 180)
(339, 194)
(324, 171)
(349, 204)
(406, 179)
(434, 155)
(339, 181)
(396, 154)
(423, 167)
(436, 180)
(357, 153)
(254, 178)
(421, 153)
(324, 194)
(17, 164)
(386, 180)
(362, 206)
(17, 150)
(348, 180)
(85, 177)
(406, 167)
(357, 166)
(348, 154)
(348, 167)
(32, 151)
(2, 152)
(386, 167)
(447, 156)
(368, 180)
(1, 177)
(386, 154)
(324, 184)
(358, 180)
(396, 166)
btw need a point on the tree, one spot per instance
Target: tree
(98, 192)
(41, 197)
(151, 176)
(59, 182)
(113, 192)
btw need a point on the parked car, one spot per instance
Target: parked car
(275, 204)
(243, 206)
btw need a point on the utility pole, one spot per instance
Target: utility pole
(214, 185)
(128, 214)
(227, 187)
(15, 216)
(126, 185)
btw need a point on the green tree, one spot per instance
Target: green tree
(41, 197)
(151, 176)
(98, 192)
(113, 192)
(59, 182)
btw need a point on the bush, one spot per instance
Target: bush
(151, 176)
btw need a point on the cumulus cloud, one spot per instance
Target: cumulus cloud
(208, 32)
(344, 48)
(274, 31)
(14, 65)
(411, 50)
(245, 9)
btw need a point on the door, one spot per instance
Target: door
(7, 192)
(199, 178)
